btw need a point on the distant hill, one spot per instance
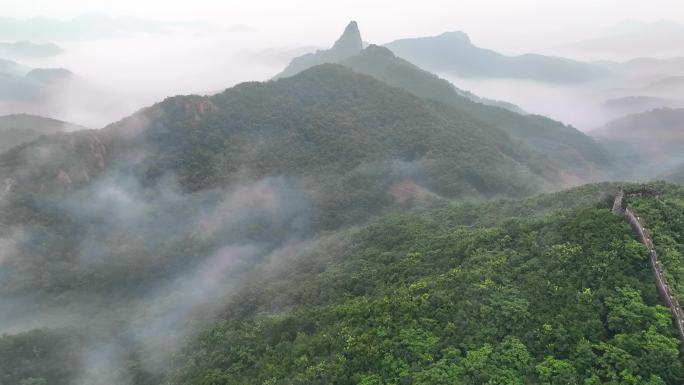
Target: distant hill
(21, 83)
(12, 68)
(30, 49)
(628, 105)
(667, 85)
(654, 139)
(22, 128)
(454, 53)
(50, 75)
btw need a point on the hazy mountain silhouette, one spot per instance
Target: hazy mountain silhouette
(454, 53)
(654, 139)
(30, 49)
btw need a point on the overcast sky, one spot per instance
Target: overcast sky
(503, 24)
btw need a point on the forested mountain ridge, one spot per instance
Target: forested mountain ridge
(330, 118)
(340, 146)
(200, 189)
(577, 154)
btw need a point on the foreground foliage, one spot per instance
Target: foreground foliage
(565, 299)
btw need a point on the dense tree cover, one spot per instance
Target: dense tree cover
(664, 218)
(415, 299)
(347, 136)
(548, 290)
(570, 149)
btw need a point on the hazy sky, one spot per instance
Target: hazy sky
(503, 24)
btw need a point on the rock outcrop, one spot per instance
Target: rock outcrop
(349, 44)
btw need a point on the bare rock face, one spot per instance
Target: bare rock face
(195, 108)
(347, 45)
(350, 42)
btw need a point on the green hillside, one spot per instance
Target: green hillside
(552, 289)
(565, 298)
(575, 153)
(348, 136)
(664, 217)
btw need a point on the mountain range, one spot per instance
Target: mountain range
(355, 220)
(454, 53)
(19, 83)
(572, 152)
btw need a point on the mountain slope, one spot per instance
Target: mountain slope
(22, 128)
(454, 53)
(329, 120)
(563, 299)
(572, 151)
(137, 232)
(347, 145)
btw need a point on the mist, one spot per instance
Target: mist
(190, 254)
(127, 62)
(122, 261)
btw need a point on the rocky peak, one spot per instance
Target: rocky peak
(350, 42)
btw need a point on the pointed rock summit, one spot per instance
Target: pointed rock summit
(349, 44)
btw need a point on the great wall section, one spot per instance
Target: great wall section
(667, 296)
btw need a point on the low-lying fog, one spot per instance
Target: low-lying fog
(118, 76)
